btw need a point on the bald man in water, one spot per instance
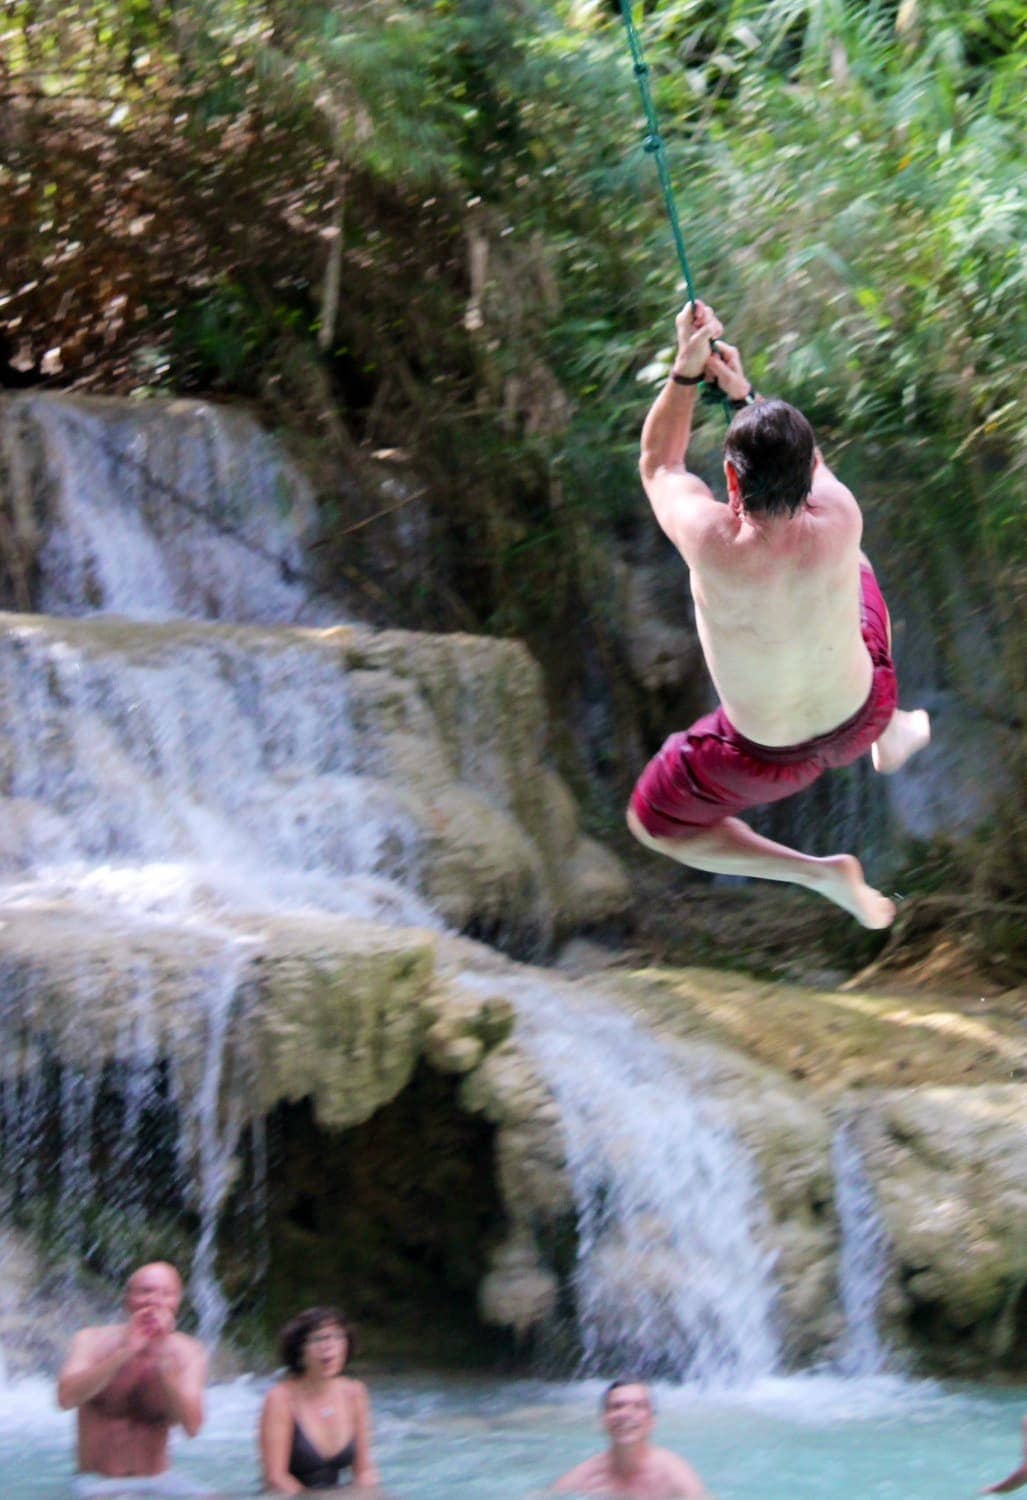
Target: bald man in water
(631, 1468)
(793, 627)
(131, 1382)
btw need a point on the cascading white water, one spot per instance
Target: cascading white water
(180, 511)
(213, 1121)
(863, 1257)
(169, 788)
(203, 781)
(672, 1280)
(194, 773)
(98, 1162)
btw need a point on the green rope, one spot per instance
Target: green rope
(653, 144)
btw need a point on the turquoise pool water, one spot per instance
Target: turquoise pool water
(800, 1438)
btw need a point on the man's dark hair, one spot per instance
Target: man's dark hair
(771, 446)
(615, 1385)
(298, 1330)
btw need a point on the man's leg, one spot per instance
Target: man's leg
(731, 847)
(904, 734)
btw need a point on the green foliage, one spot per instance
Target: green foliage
(849, 175)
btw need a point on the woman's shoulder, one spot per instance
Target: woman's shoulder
(355, 1389)
(278, 1397)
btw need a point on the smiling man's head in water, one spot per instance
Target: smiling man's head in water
(627, 1411)
(631, 1468)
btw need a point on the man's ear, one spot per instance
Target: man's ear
(734, 488)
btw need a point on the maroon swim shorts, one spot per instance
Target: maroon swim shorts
(711, 772)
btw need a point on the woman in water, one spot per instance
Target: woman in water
(316, 1423)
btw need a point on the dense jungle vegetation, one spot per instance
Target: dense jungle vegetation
(429, 227)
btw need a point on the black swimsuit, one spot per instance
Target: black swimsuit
(312, 1469)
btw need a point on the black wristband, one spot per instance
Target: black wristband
(685, 379)
(743, 401)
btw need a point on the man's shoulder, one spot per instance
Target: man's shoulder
(188, 1345)
(588, 1472)
(597, 1464)
(832, 501)
(677, 1470)
(684, 504)
(667, 1456)
(714, 537)
(100, 1333)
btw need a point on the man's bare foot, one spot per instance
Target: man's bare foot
(904, 735)
(840, 879)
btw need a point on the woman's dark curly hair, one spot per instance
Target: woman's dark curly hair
(298, 1330)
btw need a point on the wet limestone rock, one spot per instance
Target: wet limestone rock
(462, 1027)
(950, 1170)
(186, 480)
(517, 1292)
(409, 756)
(521, 1288)
(507, 1090)
(457, 723)
(74, 982)
(452, 727)
(946, 1156)
(341, 1016)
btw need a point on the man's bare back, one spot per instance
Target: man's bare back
(131, 1382)
(793, 627)
(757, 586)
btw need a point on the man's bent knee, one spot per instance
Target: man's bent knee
(637, 827)
(663, 842)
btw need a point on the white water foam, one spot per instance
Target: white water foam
(671, 1280)
(863, 1258)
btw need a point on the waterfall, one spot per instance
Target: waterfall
(160, 512)
(671, 1278)
(863, 1257)
(175, 787)
(101, 1162)
(210, 1139)
(174, 771)
(170, 789)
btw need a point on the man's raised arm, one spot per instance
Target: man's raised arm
(183, 1374)
(674, 493)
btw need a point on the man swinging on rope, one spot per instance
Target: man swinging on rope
(793, 627)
